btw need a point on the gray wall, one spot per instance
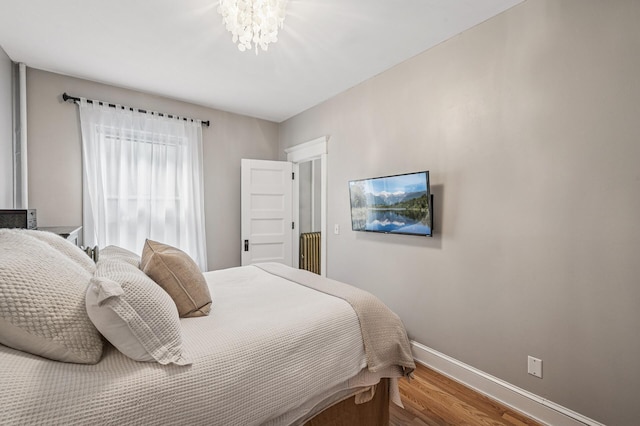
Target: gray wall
(55, 163)
(6, 132)
(530, 126)
(304, 179)
(310, 187)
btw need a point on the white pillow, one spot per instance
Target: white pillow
(135, 314)
(42, 295)
(65, 247)
(121, 254)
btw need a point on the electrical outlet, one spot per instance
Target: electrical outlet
(534, 367)
(336, 229)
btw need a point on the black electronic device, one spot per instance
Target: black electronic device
(18, 218)
(399, 204)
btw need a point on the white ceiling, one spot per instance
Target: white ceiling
(180, 49)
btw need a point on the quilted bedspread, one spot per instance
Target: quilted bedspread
(268, 348)
(384, 336)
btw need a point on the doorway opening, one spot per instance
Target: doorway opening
(310, 203)
(309, 212)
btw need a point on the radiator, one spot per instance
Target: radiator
(310, 251)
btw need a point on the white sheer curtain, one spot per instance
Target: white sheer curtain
(142, 178)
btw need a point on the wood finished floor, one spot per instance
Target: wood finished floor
(433, 399)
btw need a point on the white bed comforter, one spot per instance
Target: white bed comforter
(267, 349)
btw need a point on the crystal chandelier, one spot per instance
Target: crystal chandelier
(253, 21)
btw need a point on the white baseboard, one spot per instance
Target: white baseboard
(534, 406)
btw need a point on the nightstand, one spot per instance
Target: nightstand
(70, 233)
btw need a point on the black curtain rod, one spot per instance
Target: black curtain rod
(74, 99)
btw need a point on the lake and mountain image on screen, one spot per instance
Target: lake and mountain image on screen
(394, 204)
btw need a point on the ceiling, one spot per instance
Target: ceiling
(181, 50)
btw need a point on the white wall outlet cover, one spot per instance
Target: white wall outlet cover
(336, 229)
(534, 366)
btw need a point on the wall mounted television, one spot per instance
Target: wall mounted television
(399, 204)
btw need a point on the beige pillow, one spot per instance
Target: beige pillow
(179, 275)
(133, 312)
(42, 308)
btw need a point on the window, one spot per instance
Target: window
(142, 179)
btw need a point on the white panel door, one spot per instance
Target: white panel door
(266, 206)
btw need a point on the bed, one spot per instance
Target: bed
(276, 345)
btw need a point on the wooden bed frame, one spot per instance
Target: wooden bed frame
(348, 413)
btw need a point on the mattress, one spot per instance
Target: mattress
(270, 352)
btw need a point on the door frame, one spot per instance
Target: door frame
(312, 150)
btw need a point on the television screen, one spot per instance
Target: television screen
(399, 204)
